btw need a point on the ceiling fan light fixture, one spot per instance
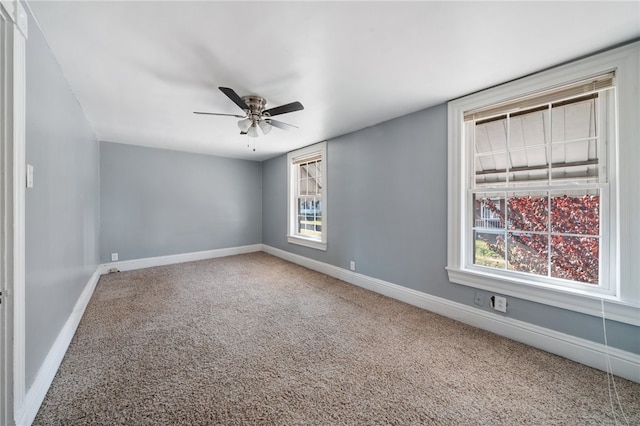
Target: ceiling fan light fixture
(245, 124)
(265, 126)
(255, 114)
(253, 131)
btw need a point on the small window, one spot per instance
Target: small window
(307, 196)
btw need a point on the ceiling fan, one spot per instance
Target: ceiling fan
(255, 114)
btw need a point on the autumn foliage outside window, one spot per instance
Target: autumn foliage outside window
(563, 245)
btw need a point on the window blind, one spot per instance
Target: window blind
(577, 89)
(316, 156)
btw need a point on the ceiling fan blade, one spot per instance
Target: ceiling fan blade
(231, 94)
(217, 113)
(283, 109)
(281, 125)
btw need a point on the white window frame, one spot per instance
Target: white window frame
(621, 302)
(293, 237)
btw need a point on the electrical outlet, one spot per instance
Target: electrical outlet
(114, 257)
(500, 303)
(352, 266)
(479, 299)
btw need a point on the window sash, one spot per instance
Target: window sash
(308, 183)
(490, 225)
(602, 92)
(555, 150)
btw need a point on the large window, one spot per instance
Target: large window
(542, 186)
(307, 196)
(540, 181)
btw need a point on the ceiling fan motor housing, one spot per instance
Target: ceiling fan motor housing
(256, 104)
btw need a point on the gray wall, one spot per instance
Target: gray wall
(158, 202)
(387, 211)
(62, 210)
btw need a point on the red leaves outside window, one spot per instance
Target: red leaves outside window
(572, 242)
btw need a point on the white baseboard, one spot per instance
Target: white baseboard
(38, 390)
(148, 262)
(622, 363)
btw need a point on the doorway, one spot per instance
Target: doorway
(5, 205)
(13, 30)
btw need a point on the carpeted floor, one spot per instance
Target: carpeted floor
(252, 339)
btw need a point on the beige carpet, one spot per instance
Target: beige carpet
(252, 339)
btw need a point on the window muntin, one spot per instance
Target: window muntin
(307, 223)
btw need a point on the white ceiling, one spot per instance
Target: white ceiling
(139, 69)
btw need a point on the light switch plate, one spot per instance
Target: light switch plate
(29, 176)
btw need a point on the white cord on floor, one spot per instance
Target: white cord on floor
(610, 378)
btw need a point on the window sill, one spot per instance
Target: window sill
(307, 242)
(573, 300)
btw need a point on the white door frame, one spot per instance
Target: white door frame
(13, 25)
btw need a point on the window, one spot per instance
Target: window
(540, 186)
(307, 196)
(540, 179)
